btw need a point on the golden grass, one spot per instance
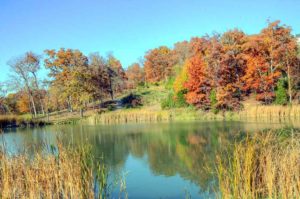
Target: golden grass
(265, 165)
(64, 173)
(275, 113)
(261, 113)
(129, 116)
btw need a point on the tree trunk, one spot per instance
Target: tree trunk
(42, 106)
(48, 117)
(81, 112)
(33, 105)
(70, 105)
(289, 82)
(37, 87)
(111, 92)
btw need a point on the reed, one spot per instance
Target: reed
(60, 173)
(129, 116)
(264, 165)
(254, 113)
(275, 113)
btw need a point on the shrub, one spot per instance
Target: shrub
(169, 102)
(169, 83)
(131, 101)
(280, 93)
(180, 99)
(213, 101)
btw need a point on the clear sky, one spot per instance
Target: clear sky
(128, 28)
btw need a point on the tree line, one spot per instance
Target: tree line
(214, 72)
(221, 70)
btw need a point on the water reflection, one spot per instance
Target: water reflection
(168, 160)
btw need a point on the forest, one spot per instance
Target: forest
(214, 72)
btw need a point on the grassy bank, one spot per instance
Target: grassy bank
(271, 113)
(13, 121)
(59, 173)
(152, 96)
(149, 109)
(257, 113)
(264, 165)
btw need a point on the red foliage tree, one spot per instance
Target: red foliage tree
(231, 70)
(198, 83)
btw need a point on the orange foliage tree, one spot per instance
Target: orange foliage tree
(158, 64)
(271, 54)
(198, 83)
(23, 102)
(135, 75)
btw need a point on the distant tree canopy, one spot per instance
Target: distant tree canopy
(135, 75)
(236, 65)
(212, 72)
(159, 63)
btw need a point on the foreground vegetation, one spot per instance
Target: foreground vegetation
(263, 165)
(59, 173)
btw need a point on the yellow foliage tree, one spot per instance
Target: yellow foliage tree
(180, 80)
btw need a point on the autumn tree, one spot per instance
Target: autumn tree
(159, 64)
(69, 71)
(11, 103)
(3, 108)
(181, 79)
(182, 51)
(281, 50)
(179, 86)
(198, 84)
(23, 102)
(20, 68)
(135, 75)
(100, 76)
(116, 75)
(271, 55)
(33, 66)
(231, 70)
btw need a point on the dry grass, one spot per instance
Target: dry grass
(265, 165)
(62, 173)
(275, 113)
(129, 116)
(261, 113)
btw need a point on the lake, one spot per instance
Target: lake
(161, 160)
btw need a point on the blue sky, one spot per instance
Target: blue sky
(128, 28)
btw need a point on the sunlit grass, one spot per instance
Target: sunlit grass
(264, 165)
(59, 172)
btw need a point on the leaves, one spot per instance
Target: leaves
(158, 64)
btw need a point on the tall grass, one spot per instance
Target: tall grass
(273, 113)
(129, 116)
(59, 173)
(264, 165)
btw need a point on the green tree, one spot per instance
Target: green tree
(280, 93)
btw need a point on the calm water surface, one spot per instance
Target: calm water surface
(168, 160)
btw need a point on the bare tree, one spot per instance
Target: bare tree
(33, 66)
(19, 68)
(2, 97)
